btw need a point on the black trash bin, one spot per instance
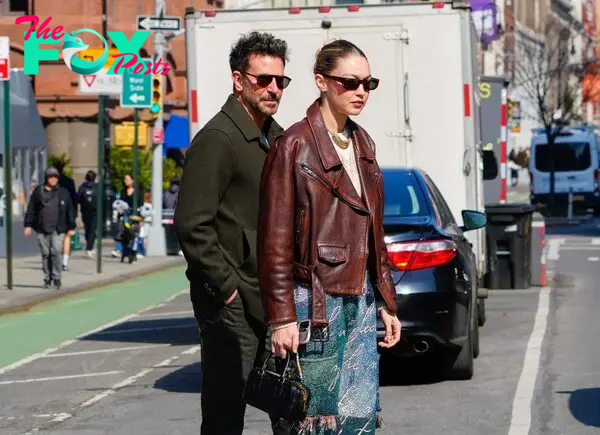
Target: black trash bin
(509, 245)
(171, 242)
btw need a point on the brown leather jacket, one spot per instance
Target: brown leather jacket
(313, 226)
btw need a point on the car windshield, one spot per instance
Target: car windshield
(403, 196)
(571, 156)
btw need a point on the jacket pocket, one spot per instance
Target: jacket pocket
(333, 255)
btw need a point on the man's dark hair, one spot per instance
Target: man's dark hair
(256, 43)
(90, 176)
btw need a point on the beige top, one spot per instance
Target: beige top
(348, 159)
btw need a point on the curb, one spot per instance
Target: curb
(102, 282)
(565, 222)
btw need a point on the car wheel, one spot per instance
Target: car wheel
(461, 367)
(475, 335)
(481, 312)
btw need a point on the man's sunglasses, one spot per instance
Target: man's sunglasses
(353, 84)
(264, 80)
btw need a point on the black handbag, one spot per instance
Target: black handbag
(281, 395)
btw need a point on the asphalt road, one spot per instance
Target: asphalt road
(538, 372)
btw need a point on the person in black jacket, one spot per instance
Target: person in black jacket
(68, 184)
(50, 214)
(86, 197)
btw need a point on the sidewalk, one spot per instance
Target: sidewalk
(28, 278)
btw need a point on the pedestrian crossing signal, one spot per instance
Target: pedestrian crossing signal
(157, 95)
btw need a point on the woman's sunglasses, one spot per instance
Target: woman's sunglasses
(353, 84)
(264, 80)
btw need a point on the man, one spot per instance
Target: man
(50, 215)
(68, 184)
(216, 221)
(86, 197)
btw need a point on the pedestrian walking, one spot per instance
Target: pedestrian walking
(50, 215)
(68, 184)
(321, 251)
(86, 197)
(216, 220)
(171, 195)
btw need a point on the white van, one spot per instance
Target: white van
(576, 159)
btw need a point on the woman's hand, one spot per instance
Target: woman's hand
(285, 339)
(392, 328)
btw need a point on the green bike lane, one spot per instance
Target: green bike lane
(50, 324)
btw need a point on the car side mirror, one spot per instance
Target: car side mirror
(473, 220)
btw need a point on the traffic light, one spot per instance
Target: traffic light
(157, 95)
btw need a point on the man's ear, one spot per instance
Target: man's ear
(237, 79)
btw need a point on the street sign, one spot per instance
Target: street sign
(93, 53)
(172, 24)
(137, 88)
(158, 135)
(101, 83)
(124, 134)
(4, 58)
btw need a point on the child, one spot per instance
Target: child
(146, 213)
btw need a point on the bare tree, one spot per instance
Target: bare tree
(549, 81)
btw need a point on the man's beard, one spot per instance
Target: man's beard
(257, 107)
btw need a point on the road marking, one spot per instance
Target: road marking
(521, 411)
(593, 258)
(596, 241)
(50, 350)
(579, 248)
(58, 378)
(554, 249)
(158, 328)
(28, 417)
(125, 383)
(116, 349)
(168, 313)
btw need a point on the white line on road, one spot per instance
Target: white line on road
(593, 258)
(169, 313)
(158, 328)
(521, 411)
(596, 241)
(554, 249)
(125, 383)
(114, 349)
(58, 378)
(579, 248)
(48, 351)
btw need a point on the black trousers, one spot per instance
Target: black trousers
(231, 343)
(89, 225)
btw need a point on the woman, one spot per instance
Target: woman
(321, 249)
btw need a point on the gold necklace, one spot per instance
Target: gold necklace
(340, 142)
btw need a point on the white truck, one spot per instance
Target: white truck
(425, 112)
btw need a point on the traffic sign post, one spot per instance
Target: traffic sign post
(6, 158)
(136, 161)
(137, 88)
(157, 24)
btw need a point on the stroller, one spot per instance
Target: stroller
(128, 230)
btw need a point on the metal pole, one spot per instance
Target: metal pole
(570, 209)
(108, 192)
(100, 187)
(156, 237)
(136, 159)
(7, 163)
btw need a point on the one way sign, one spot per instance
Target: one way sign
(172, 24)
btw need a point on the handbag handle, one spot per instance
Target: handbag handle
(285, 373)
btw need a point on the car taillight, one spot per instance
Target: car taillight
(421, 255)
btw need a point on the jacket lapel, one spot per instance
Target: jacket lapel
(336, 175)
(369, 176)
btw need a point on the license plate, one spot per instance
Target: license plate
(578, 198)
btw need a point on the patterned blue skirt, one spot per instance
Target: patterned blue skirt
(342, 373)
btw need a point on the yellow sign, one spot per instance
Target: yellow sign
(124, 134)
(93, 53)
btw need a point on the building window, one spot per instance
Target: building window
(18, 6)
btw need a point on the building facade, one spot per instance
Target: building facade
(71, 118)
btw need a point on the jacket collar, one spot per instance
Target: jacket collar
(239, 116)
(327, 153)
